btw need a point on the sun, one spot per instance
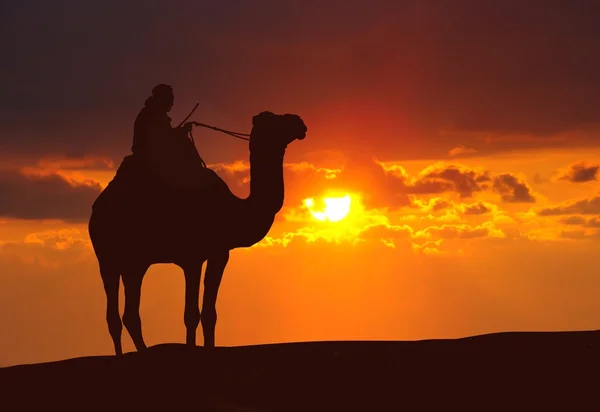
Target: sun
(335, 209)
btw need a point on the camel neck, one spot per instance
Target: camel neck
(266, 180)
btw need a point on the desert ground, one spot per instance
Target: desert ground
(517, 371)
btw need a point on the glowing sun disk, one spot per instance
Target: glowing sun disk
(336, 208)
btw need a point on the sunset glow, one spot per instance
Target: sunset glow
(334, 209)
(448, 184)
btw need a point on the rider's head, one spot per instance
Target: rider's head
(162, 96)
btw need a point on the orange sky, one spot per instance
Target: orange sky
(428, 266)
(475, 192)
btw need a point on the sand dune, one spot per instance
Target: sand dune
(516, 371)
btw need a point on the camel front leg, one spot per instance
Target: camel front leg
(191, 315)
(212, 280)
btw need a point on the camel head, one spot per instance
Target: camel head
(276, 131)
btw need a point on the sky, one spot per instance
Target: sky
(465, 133)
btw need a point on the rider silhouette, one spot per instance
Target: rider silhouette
(166, 150)
(152, 130)
(159, 151)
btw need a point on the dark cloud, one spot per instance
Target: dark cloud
(462, 151)
(476, 209)
(45, 197)
(538, 179)
(572, 220)
(76, 164)
(580, 234)
(458, 231)
(431, 186)
(75, 73)
(589, 206)
(512, 189)
(360, 174)
(573, 234)
(382, 231)
(451, 178)
(440, 204)
(384, 185)
(464, 181)
(593, 222)
(581, 172)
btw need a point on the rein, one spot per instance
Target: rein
(234, 134)
(242, 136)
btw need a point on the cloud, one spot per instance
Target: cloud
(441, 177)
(512, 189)
(306, 166)
(239, 166)
(465, 181)
(573, 234)
(45, 197)
(60, 239)
(464, 231)
(431, 247)
(389, 185)
(63, 246)
(235, 174)
(572, 220)
(81, 163)
(461, 150)
(538, 179)
(386, 227)
(579, 234)
(434, 204)
(589, 206)
(385, 231)
(452, 208)
(580, 172)
(384, 188)
(593, 222)
(359, 173)
(478, 208)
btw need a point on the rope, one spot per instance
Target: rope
(202, 162)
(234, 134)
(242, 136)
(237, 135)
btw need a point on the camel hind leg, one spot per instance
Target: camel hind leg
(212, 280)
(191, 316)
(111, 280)
(132, 280)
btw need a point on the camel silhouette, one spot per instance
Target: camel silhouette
(129, 233)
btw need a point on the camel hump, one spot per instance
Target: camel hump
(139, 183)
(180, 167)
